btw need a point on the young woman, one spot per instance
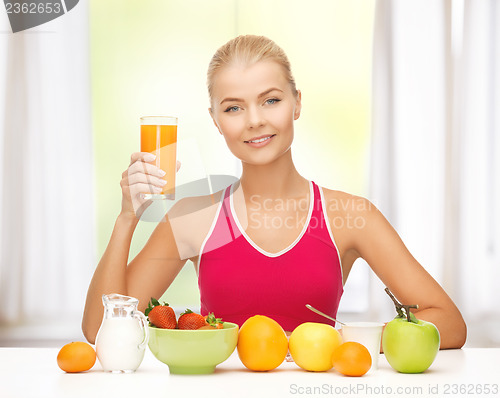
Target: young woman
(273, 241)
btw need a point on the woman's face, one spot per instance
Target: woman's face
(254, 109)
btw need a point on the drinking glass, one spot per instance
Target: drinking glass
(159, 137)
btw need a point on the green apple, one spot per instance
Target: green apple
(410, 344)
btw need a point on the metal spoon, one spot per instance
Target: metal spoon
(322, 314)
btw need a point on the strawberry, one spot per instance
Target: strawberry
(207, 327)
(160, 315)
(214, 322)
(190, 320)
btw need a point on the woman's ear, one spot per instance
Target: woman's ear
(298, 106)
(213, 119)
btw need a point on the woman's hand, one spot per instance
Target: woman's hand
(141, 177)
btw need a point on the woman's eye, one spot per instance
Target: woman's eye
(272, 101)
(232, 109)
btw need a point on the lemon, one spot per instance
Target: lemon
(312, 344)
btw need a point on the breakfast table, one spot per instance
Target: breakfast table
(33, 372)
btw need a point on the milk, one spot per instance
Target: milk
(118, 343)
(366, 333)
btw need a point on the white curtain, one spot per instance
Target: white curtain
(46, 191)
(435, 167)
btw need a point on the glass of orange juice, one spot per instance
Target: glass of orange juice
(159, 137)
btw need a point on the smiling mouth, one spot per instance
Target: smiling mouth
(256, 141)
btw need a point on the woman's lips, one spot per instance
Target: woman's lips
(261, 141)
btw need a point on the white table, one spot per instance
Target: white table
(33, 372)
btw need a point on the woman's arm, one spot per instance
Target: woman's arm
(109, 276)
(379, 244)
(148, 275)
(154, 268)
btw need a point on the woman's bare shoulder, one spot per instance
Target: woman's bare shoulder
(352, 218)
(355, 217)
(346, 203)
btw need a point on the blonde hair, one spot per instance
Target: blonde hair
(248, 50)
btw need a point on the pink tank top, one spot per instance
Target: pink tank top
(238, 279)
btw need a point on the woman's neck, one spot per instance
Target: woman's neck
(275, 180)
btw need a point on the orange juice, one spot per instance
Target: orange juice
(159, 137)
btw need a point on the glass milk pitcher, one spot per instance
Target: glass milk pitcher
(123, 334)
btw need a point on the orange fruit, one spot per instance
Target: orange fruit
(312, 344)
(352, 359)
(76, 357)
(262, 343)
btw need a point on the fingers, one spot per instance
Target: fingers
(144, 168)
(141, 183)
(141, 178)
(139, 165)
(144, 156)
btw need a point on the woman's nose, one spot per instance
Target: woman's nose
(255, 118)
